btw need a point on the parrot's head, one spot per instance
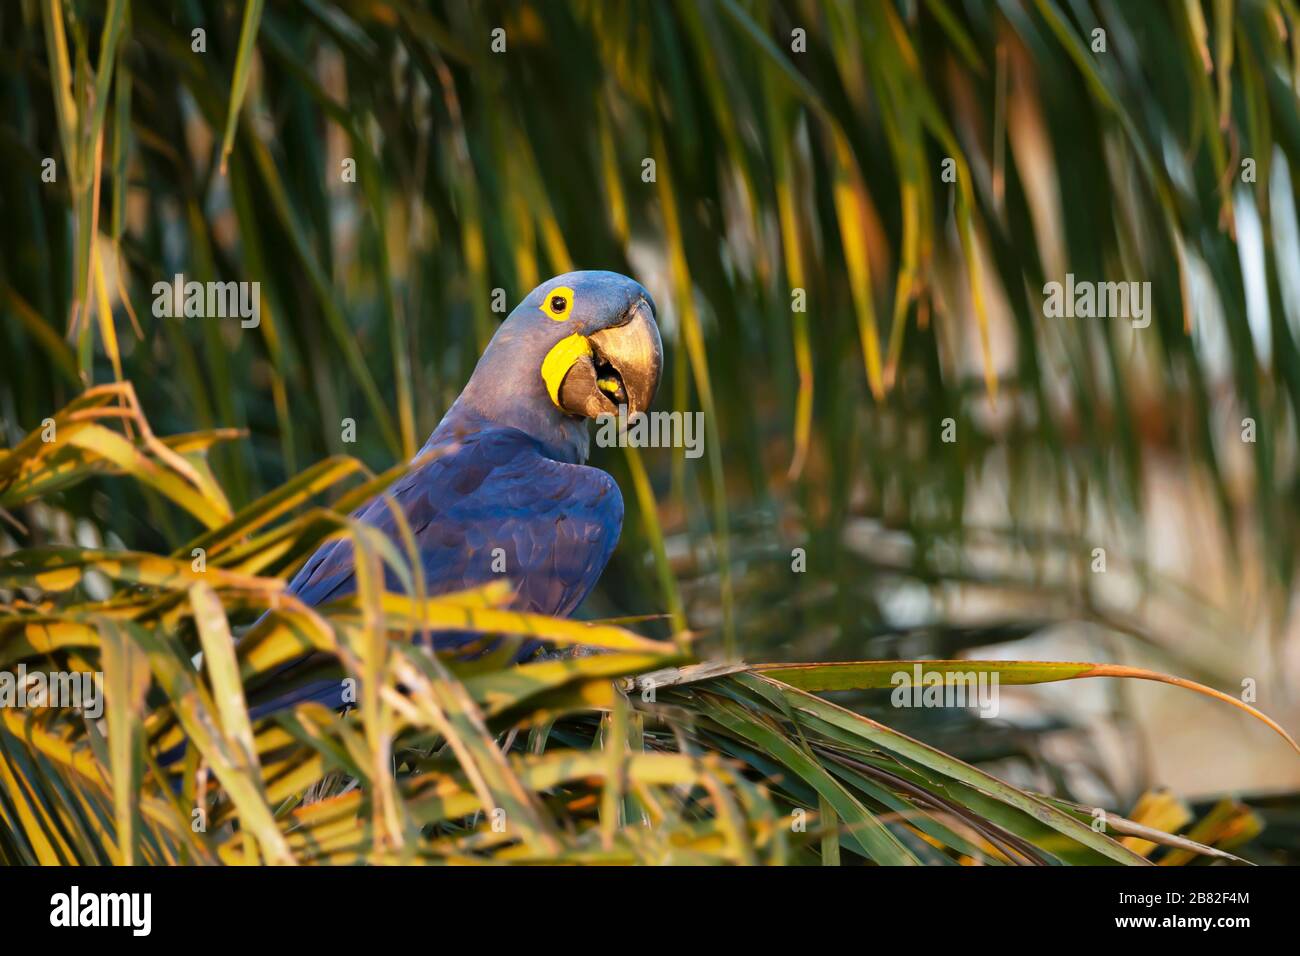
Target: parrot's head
(578, 346)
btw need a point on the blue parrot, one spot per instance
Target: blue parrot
(510, 468)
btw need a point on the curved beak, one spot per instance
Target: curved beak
(623, 368)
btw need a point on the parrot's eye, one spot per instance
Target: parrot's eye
(558, 303)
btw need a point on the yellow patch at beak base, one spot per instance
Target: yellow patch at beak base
(559, 360)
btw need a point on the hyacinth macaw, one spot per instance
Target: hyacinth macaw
(510, 471)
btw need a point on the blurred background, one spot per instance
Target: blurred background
(846, 213)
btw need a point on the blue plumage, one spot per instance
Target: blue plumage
(508, 472)
(555, 524)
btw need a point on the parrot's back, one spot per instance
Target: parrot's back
(488, 505)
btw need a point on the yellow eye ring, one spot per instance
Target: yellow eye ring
(558, 303)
